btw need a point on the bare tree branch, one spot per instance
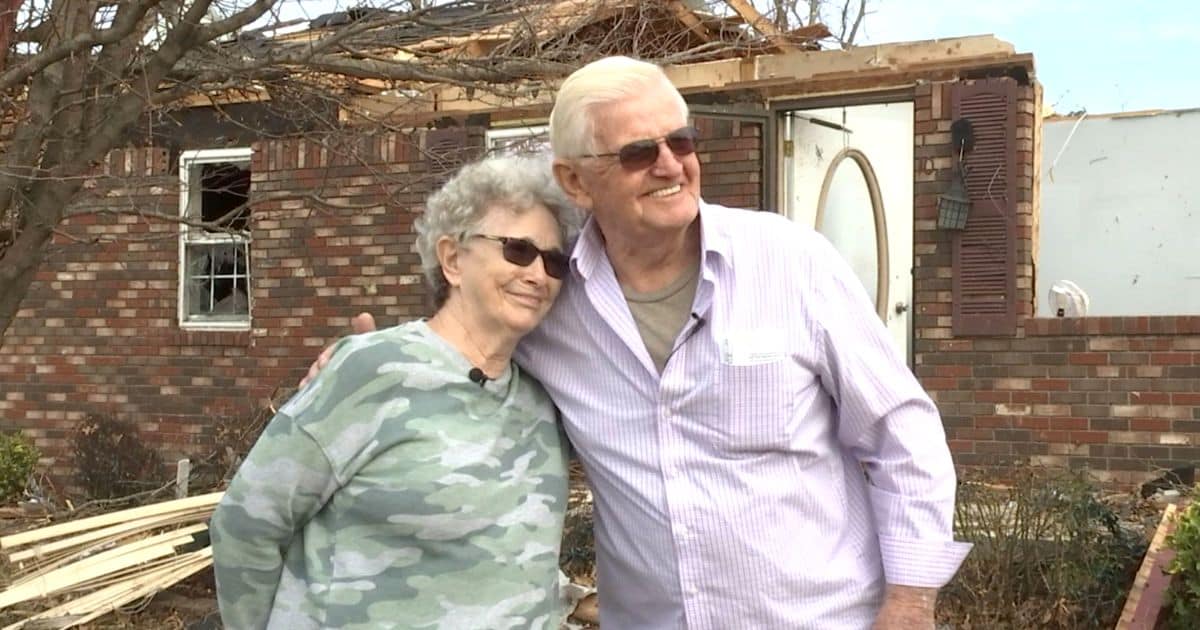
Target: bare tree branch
(847, 38)
(130, 18)
(91, 76)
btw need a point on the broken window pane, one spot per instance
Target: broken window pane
(225, 188)
(218, 283)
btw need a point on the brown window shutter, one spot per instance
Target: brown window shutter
(985, 274)
(445, 151)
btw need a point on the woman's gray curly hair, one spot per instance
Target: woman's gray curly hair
(516, 182)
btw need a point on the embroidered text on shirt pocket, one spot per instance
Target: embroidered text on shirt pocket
(752, 346)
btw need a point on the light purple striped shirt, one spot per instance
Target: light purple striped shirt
(730, 491)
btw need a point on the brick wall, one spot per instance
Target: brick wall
(731, 161)
(1119, 396)
(98, 331)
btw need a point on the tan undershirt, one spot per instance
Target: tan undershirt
(660, 315)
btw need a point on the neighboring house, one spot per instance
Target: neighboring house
(188, 332)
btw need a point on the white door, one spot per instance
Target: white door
(850, 175)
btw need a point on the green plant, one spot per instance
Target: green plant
(17, 459)
(1048, 554)
(1183, 598)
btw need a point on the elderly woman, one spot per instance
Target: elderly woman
(420, 480)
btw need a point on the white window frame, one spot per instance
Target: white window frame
(494, 138)
(188, 161)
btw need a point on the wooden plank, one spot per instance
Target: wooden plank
(104, 520)
(80, 610)
(99, 536)
(761, 24)
(809, 64)
(98, 565)
(886, 79)
(101, 556)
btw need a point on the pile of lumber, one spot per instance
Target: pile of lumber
(100, 563)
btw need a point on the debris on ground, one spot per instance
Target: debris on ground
(73, 572)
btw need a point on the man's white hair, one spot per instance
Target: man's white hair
(604, 81)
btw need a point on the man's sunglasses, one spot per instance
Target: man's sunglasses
(642, 154)
(522, 252)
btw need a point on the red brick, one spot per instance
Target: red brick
(993, 422)
(1068, 424)
(953, 370)
(1088, 358)
(961, 446)
(1033, 422)
(1171, 358)
(939, 383)
(1157, 425)
(1051, 384)
(1150, 398)
(1089, 437)
(989, 396)
(1053, 436)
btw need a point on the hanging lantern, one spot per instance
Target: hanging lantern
(954, 206)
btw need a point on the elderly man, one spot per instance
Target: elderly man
(761, 457)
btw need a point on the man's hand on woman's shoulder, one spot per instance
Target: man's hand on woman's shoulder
(361, 323)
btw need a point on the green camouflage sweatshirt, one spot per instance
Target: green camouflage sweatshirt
(393, 492)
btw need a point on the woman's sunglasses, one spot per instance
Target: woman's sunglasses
(522, 252)
(642, 154)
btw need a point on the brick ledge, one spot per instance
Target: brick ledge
(208, 338)
(1117, 326)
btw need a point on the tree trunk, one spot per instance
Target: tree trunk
(21, 261)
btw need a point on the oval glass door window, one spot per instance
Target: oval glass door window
(850, 215)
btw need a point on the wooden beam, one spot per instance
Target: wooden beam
(888, 78)
(762, 24)
(689, 19)
(806, 65)
(887, 65)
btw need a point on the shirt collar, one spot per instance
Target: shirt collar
(715, 244)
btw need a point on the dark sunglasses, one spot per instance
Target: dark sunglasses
(642, 154)
(522, 252)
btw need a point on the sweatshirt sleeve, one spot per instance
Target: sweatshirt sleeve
(284, 481)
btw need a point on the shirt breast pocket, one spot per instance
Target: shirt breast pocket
(756, 403)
